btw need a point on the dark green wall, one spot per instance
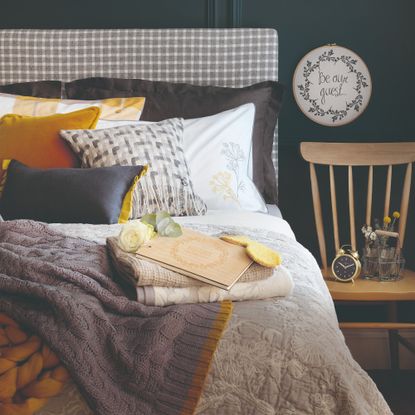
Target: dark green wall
(383, 34)
(380, 31)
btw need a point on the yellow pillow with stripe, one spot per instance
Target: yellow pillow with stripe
(112, 109)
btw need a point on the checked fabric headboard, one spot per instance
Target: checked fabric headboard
(221, 57)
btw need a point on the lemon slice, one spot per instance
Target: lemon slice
(263, 255)
(240, 240)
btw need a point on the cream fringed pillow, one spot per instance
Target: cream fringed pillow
(167, 186)
(142, 273)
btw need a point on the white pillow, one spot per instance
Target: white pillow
(218, 150)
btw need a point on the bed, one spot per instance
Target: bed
(276, 356)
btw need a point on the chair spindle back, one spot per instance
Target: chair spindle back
(357, 154)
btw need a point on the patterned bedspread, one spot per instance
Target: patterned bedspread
(280, 356)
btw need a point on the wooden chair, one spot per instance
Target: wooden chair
(370, 155)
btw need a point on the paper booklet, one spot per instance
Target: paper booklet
(199, 256)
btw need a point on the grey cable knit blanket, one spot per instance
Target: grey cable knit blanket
(126, 358)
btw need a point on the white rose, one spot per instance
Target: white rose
(133, 235)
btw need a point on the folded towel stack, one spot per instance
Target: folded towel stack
(279, 284)
(161, 287)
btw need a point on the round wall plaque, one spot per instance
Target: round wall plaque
(332, 85)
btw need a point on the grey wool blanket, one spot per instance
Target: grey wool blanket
(126, 358)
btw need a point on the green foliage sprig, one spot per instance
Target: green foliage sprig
(163, 224)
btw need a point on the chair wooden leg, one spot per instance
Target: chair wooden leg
(394, 350)
(393, 339)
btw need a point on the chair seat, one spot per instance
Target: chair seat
(366, 290)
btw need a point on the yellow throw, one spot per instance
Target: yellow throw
(30, 373)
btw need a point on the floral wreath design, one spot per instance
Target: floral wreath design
(356, 103)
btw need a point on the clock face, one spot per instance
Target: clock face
(344, 267)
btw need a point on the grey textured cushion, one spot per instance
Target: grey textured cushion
(167, 185)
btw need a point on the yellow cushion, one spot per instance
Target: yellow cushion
(35, 141)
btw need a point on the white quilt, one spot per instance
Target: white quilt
(278, 356)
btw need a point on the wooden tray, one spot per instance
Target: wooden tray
(199, 256)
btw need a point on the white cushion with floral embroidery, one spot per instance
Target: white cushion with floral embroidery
(218, 152)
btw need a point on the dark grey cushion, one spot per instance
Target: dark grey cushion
(66, 195)
(41, 89)
(169, 100)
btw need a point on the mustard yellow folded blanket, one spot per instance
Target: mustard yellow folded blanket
(30, 373)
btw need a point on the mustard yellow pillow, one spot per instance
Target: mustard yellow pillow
(35, 141)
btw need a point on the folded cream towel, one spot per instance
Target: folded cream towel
(143, 273)
(280, 284)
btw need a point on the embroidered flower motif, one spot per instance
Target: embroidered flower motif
(234, 156)
(221, 183)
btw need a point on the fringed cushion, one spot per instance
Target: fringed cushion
(167, 186)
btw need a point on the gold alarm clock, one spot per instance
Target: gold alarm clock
(346, 266)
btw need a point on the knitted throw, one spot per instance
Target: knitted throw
(126, 358)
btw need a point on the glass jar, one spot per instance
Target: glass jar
(382, 263)
(391, 265)
(370, 264)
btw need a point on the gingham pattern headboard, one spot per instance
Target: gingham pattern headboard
(223, 57)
